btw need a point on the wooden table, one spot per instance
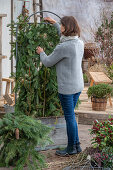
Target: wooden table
(98, 78)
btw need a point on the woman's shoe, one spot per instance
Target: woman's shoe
(62, 152)
(69, 150)
(78, 148)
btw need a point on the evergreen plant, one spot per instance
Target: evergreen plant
(19, 135)
(36, 84)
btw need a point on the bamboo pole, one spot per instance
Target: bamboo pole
(34, 10)
(41, 8)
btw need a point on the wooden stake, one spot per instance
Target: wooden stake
(17, 133)
(34, 10)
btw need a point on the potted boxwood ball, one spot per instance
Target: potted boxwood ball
(99, 94)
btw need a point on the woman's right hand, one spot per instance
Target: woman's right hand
(50, 20)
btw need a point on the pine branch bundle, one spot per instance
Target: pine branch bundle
(21, 152)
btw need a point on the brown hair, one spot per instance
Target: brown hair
(71, 26)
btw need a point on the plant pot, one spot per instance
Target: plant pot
(99, 104)
(9, 109)
(85, 65)
(90, 49)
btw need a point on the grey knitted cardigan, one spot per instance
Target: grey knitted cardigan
(67, 57)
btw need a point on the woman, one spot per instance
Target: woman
(67, 57)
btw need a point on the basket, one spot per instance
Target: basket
(90, 50)
(99, 104)
(85, 65)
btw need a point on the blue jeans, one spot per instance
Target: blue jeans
(68, 103)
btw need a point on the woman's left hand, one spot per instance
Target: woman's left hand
(39, 50)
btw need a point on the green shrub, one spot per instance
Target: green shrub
(100, 91)
(102, 151)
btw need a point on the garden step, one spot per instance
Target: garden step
(84, 91)
(84, 94)
(87, 117)
(89, 109)
(83, 98)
